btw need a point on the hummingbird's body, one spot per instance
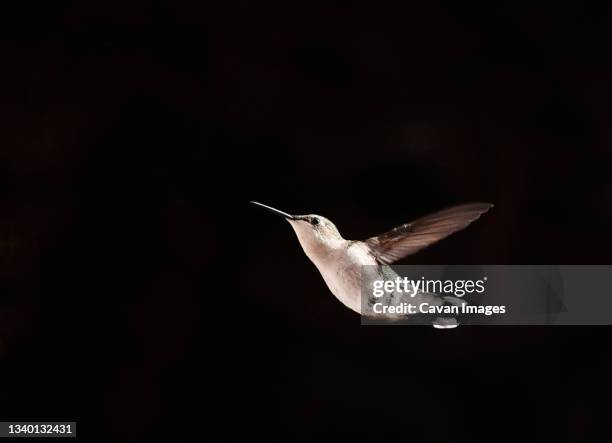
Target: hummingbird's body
(341, 268)
(341, 261)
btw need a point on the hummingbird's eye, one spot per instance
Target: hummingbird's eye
(314, 221)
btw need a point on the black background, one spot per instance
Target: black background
(143, 296)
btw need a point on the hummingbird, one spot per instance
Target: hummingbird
(341, 261)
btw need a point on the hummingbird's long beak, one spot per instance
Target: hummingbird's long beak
(274, 211)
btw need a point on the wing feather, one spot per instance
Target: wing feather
(412, 237)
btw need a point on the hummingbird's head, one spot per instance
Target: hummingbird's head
(315, 233)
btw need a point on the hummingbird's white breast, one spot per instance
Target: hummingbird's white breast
(338, 260)
(341, 270)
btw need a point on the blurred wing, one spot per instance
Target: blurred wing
(412, 237)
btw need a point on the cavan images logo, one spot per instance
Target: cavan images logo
(419, 293)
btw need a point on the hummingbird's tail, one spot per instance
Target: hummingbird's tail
(449, 322)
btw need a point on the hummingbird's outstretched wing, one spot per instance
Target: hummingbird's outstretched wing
(412, 237)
